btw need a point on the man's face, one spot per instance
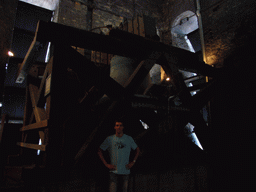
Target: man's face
(119, 127)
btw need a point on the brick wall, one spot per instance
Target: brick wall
(221, 22)
(170, 11)
(72, 14)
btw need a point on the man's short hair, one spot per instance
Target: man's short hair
(118, 120)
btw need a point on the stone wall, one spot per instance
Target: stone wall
(170, 11)
(72, 14)
(223, 23)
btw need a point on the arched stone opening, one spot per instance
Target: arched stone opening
(184, 24)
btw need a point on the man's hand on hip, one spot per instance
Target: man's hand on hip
(129, 166)
(111, 167)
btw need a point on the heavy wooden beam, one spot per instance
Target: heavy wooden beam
(31, 56)
(38, 125)
(183, 59)
(40, 100)
(90, 74)
(2, 126)
(118, 42)
(40, 113)
(84, 39)
(32, 146)
(121, 43)
(140, 73)
(202, 97)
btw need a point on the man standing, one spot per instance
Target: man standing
(119, 146)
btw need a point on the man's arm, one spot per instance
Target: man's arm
(129, 166)
(101, 156)
(112, 167)
(137, 154)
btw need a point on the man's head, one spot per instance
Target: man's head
(119, 126)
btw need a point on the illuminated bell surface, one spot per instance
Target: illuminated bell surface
(121, 69)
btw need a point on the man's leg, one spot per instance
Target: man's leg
(125, 182)
(113, 182)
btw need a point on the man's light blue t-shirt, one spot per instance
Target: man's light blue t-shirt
(119, 150)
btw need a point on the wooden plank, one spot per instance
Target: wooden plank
(141, 27)
(32, 146)
(48, 98)
(93, 56)
(38, 125)
(40, 100)
(40, 113)
(141, 72)
(130, 27)
(31, 118)
(42, 137)
(136, 26)
(98, 57)
(125, 27)
(104, 58)
(48, 106)
(27, 62)
(31, 56)
(2, 126)
(109, 58)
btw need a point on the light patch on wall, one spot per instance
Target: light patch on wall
(47, 4)
(11, 54)
(193, 136)
(40, 143)
(193, 93)
(189, 44)
(47, 57)
(184, 24)
(144, 125)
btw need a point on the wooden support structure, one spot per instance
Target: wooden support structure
(71, 84)
(132, 46)
(36, 113)
(2, 126)
(32, 146)
(41, 124)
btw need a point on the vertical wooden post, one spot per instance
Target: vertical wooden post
(136, 26)
(130, 27)
(125, 27)
(2, 126)
(59, 106)
(141, 27)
